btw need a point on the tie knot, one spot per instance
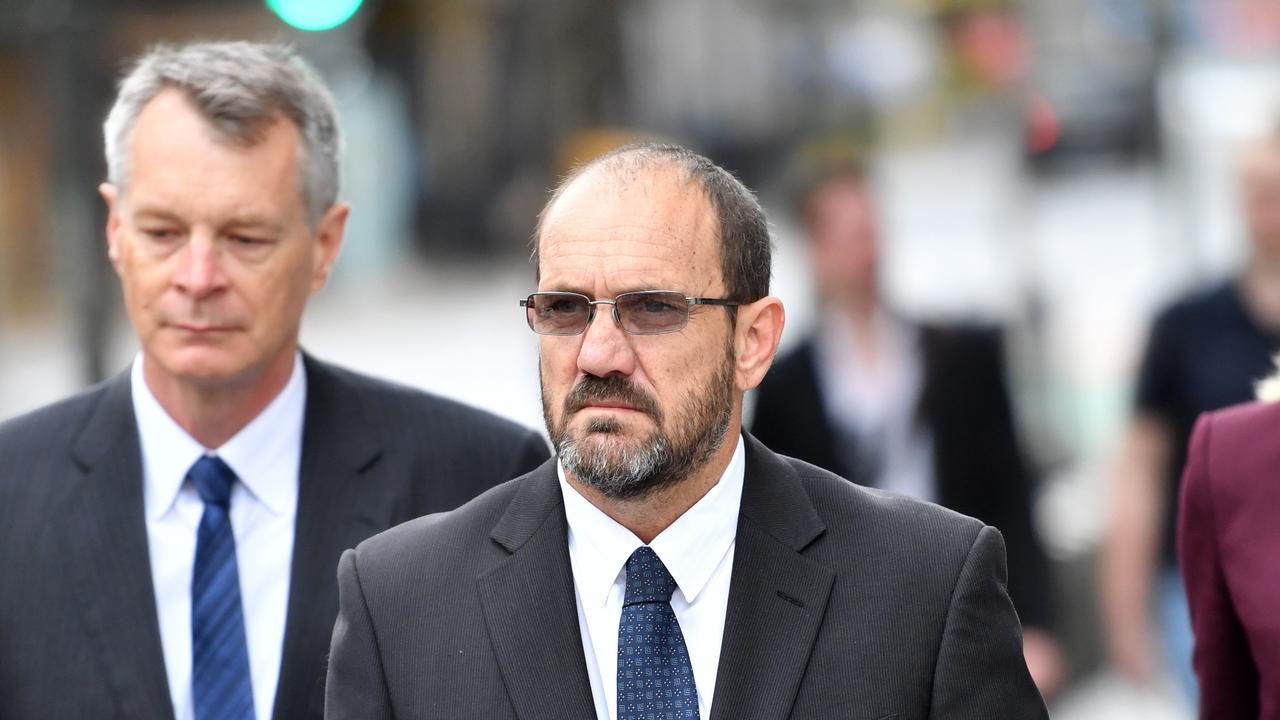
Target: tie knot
(647, 578)
(213, 479)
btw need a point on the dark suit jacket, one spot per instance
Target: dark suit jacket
(844, 603)
(979, 468)
(1229, 550)
(79, 635)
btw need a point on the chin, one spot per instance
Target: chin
(205, 366)
(609, 442)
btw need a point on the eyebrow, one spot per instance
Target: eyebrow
(253, 221)
(645, 288)
(148, 213)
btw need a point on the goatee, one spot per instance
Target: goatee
(622, 470)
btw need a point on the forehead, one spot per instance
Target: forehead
(177, 158)
(838, 191)
(1262, 163)
(654, 229)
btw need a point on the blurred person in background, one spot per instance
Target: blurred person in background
(1205, 352)
(1228, 541)
(168, 538)
(922, 410)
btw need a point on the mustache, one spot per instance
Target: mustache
(615, 388)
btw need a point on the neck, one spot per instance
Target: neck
(649, 515)
(861, 310)
(1260, 290)
(213, 413)
(859, 305)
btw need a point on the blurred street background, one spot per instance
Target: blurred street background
(1061, 167)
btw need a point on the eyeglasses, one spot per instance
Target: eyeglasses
(646, 312)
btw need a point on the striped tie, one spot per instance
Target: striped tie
(220, 681)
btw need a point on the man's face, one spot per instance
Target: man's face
(631, 414)
(1261, 191)
(842, 233)
(212, 245)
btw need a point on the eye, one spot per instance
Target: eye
(656, 305)
(248, 240)
(561, 306)
(161, 235)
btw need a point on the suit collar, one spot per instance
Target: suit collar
(110, 423)
(263, 454)
(336, 417)
(537, 496)
(109, 562)
(774, 500)
(777, 597)
(340, 446)
(599, 546)
(530, 608)
(106, 556)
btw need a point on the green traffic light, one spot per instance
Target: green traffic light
(315, 14)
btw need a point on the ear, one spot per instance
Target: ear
(111, 195)
(756, 336)
(329, 233)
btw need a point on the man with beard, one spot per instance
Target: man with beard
(666, 565)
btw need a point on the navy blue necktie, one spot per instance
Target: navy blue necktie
(655, 678)
(220, 680)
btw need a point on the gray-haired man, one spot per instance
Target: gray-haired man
(168, 538)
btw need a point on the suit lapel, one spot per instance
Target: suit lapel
(107, 557)
(339, 444)
(530, 607)
(777, 597)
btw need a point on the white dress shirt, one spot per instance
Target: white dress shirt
(265, 456)
(697, 550)
(876, 402)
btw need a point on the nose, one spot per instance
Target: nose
(605, 348)
(199, 270)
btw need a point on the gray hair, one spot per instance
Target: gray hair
(743, 230)
(240, 88)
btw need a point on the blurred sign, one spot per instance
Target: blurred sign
(314, 14)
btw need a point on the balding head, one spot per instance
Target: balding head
(741, 227)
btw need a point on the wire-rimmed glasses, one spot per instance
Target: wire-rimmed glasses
(643, 312)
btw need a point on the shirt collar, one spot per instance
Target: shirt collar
(254, 452)
(691, 548)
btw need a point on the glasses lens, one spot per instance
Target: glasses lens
(557, 313)
(651, 313)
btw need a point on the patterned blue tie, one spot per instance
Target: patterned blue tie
(655, 679)
(220, 681)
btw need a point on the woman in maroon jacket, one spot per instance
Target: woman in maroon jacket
(1229, 551)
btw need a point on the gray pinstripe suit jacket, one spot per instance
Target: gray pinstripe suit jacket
(844, 603)
(79, 637)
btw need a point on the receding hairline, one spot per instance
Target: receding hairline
(621, 168)
(249, 132)
(740, 228)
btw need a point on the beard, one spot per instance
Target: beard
(623, 469)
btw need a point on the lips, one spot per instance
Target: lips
(612, 392)
(203, 328)
(608, 406)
